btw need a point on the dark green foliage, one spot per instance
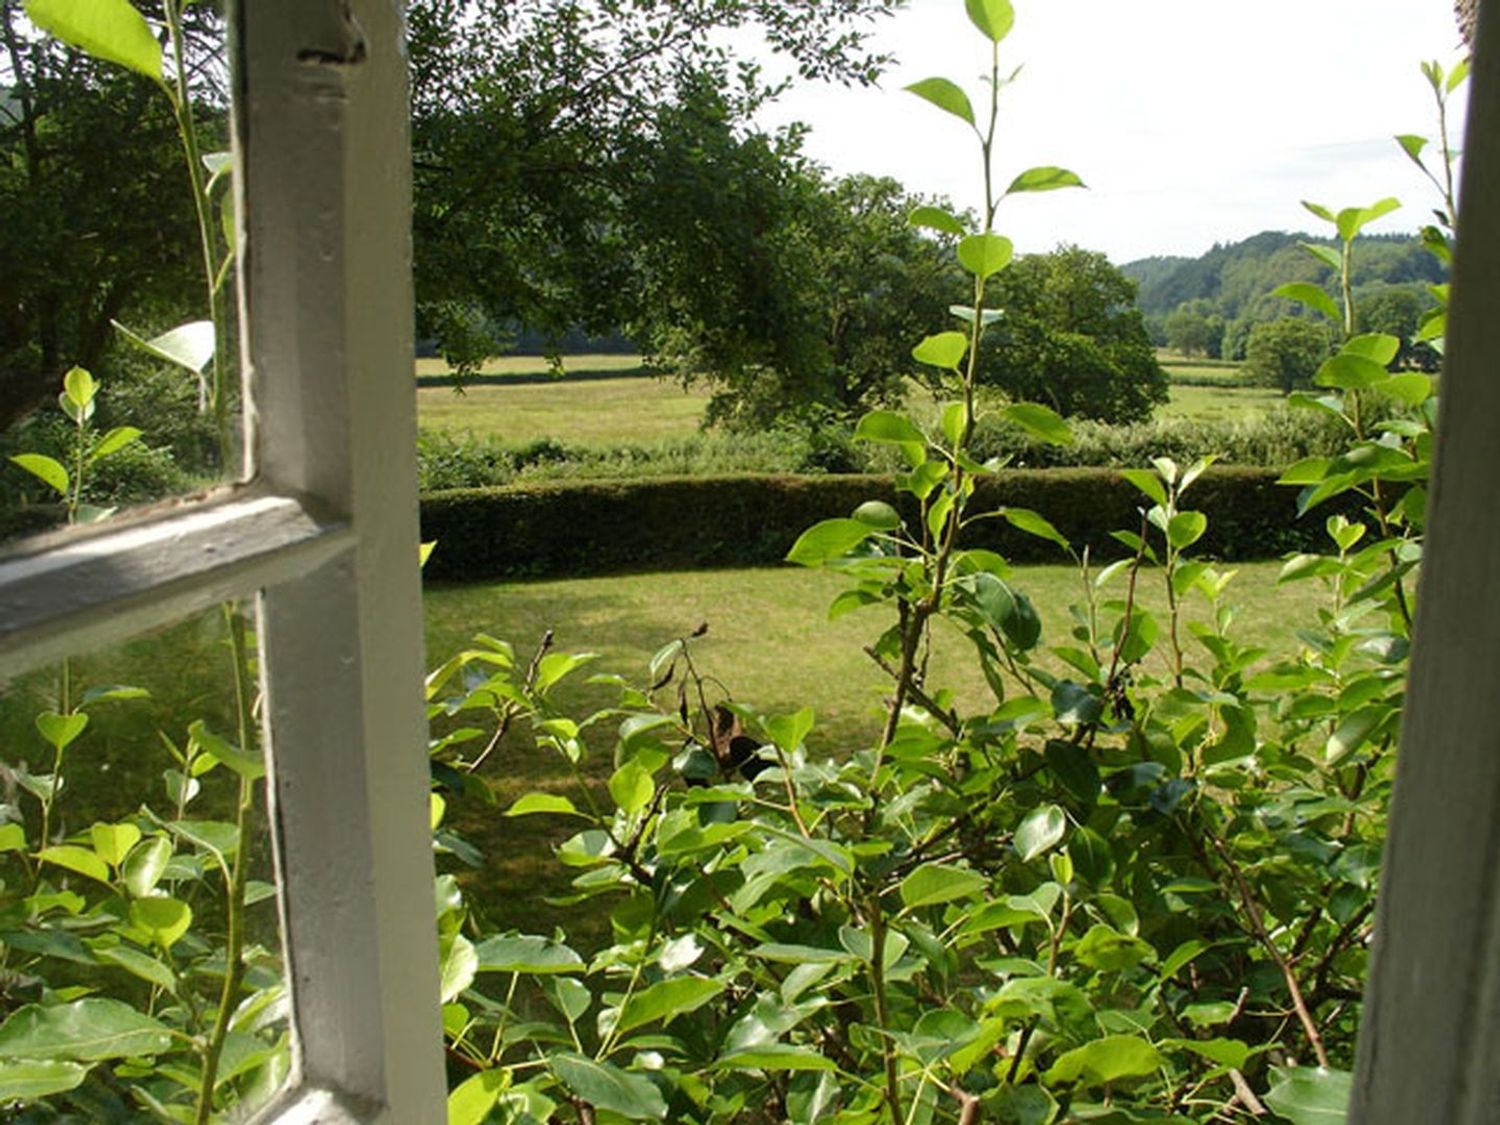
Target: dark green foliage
(1071, 337)
(681, 523)
(1236, 277)
(1285, 353)
(569, 155)
(1397, 310)
(98, 224)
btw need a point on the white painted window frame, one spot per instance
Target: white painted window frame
(1429, 1044)
(324, 536)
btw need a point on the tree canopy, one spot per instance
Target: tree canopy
(564, 151)
(1070, 337)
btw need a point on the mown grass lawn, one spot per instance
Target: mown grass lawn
(1219, 404)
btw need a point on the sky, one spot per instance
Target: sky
(1191, 121)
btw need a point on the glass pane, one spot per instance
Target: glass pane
(116, 388)
(136, 862)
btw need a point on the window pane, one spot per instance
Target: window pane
(112, 268)
(136, 863)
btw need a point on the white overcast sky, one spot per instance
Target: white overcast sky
(1192, 121)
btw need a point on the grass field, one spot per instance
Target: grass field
(1219, 404)
(637, 410)
(597, 411)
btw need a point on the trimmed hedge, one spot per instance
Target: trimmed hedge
(691, 522)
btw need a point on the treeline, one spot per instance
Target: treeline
(1209, 306)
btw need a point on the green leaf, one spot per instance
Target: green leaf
(1381, 347)
(532, 803)
(1091, 855)
(252, 767)
(932, 883)
(985, 255)
(632, 787)
(138, 964)
(1349, 372)
(1041, 422)
(1023, 519)
(1043, 179)
(945, 350)
(472, 1100)
(86, 1030)
(888, 426)
(113, 841)
(1040, 831)
(994, 18)
(12, 838)
(61, 730)
(1106, 1060)
(1319, 210)
(1313, 296)
(189, 346)
(114, 441)
(935, 218)
(1412, 145)
(146, 864)
(1225, 1052)
(605, 1086)
(111, 30)
(79, 388)
(460, 963)
(76, 859)
(878, 515)
(955, 421)
(526, 953)
(1186, 528)
(1351, 220)
(1108, 950)
(25, 1080)
(163, 920)
(945, 95)
(665, 1000)
(45, 469)
(1148, 483)
(774, 1057)
(828, 540)
(1411, 387)
(1352, 733)
(1310, 1095)
(789, 731)
(1325, 254)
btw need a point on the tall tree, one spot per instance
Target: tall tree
(1286, 353)
(1070, 337)
(542, 130)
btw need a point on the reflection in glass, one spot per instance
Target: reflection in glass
(136, 863)
(118, 245)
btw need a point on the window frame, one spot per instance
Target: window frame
(324, 538)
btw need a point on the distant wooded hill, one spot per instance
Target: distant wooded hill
(1229, 288)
